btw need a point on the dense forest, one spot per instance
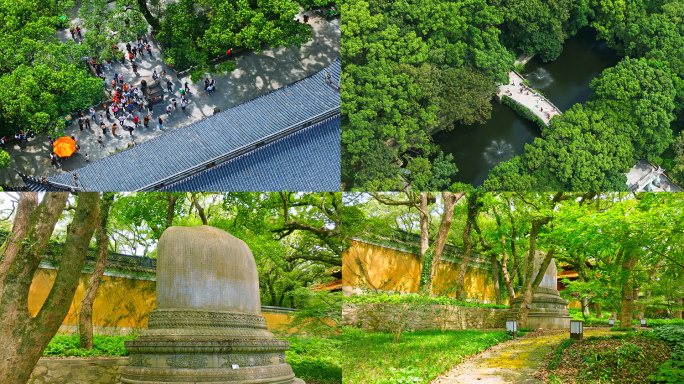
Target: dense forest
(413, 68)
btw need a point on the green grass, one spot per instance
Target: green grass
(419, 357)
(593, 321)
(384, 298)
(315, 359)
(68, 346)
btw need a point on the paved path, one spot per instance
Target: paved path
(528, 98)
(512, 362)
(255, 75)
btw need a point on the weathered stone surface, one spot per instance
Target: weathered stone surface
(207, 327)
(549, 310)
(106, 370)
(367, 317)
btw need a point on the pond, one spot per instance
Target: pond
(479, 147)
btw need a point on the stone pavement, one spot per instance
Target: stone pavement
(528, 98)
(512, 362)
(255, 75)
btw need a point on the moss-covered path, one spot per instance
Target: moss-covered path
(512, 362)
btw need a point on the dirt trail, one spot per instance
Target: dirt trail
(512, 362)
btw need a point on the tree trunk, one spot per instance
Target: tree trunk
(450, 200)
(172, 198)
(424, 239)
(678, 313)
(599, 310)
(627, 307)
(504, 268)
(85, 319)
(151, 20)
(200, 210)
(495, 278)
(467, 243)
(24, 338)
(28, 201)
(531, 286)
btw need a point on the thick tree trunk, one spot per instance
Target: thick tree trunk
(200, 210)
(85, 319)
(450, 200)
(173, 198)
(28, 201)
(24, 338)
(678, 313)
(599, 310)
(151, 20)
(467, 243)
(627, 307)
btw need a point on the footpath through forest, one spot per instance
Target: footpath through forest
(255, 75)
(512, 362)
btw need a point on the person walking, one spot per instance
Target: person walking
(149, 49)
(187, 89)
(183, 105)
(175, 103)
(168, 110)
(169, 86)
(130, 130)
(80, 123)
(121, 79)
(128, 47)
(146, 120)
(136, 120)
(206, 84)
(87, 123)
(87, 158)
(114, 126)
(154, 75)
(92, 113)
(101, 119)
(161, 122)
(135, 68)
(100, 140)
(103, 126)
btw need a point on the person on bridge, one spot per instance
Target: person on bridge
(169, 86)
(146, 120)
(161, 122)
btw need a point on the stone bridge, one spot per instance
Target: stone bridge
(527, 97)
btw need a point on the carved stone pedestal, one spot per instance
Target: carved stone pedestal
(548, 310)
(207, 327)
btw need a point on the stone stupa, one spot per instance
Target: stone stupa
(207, 326)
(548, 309)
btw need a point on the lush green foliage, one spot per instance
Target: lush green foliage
(316, 360)
(672, 371)
(318, 313)
(383, 298)
(411, 69)
(418, 358)
(523, 111)
(65, 346)
(41, 78)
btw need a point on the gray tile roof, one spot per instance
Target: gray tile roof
(301, 161)
(234, 132)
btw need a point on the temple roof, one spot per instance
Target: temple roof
(286, 139)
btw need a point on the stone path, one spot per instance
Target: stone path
(255, 75)
(528, 98)
(512, 362)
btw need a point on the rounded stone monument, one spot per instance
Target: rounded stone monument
(548, 310)
(207, 327)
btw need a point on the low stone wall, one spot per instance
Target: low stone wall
(374, 317)
(73, 370)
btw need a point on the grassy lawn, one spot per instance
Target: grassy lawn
(419, 357)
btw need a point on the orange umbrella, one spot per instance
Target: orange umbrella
(64, 146)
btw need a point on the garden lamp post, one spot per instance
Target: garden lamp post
(611, 322)
(512, 326)
(576, 329)
(643, 322)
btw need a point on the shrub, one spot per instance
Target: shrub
(66, 346)
(384, 298)
(315, 358)
(523, 111)
(672, 371)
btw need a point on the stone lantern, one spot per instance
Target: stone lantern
(207, 326)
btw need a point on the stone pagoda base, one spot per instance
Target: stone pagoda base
(549, 310)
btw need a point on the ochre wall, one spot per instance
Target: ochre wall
(393, 270)
(386, 268)
(120, 302)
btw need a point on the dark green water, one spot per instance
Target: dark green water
(479, 147)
